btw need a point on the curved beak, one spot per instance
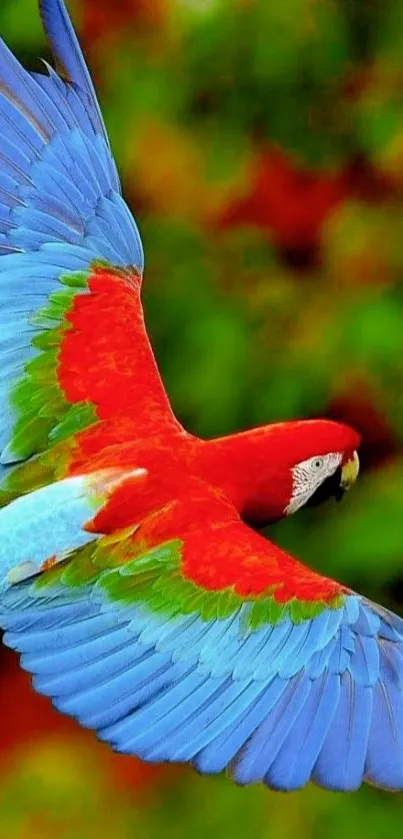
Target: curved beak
(349, 472)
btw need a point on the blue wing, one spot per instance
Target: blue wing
(68, 54)
(60, 201)
(280, 704)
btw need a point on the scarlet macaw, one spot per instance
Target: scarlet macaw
(132, 581)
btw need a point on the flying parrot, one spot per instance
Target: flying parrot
(134, 582)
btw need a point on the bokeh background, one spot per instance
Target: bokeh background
(260, 144)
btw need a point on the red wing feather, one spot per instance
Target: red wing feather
(106, 358)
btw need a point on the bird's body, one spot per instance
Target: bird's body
(132, 580)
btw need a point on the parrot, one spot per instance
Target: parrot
(135, 582)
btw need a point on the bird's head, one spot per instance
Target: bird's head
(321, 477)
(320, 462)
(302, 464)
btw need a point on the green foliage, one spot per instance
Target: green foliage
(44, 796)
(25, 37)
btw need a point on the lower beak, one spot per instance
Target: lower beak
(349, 473)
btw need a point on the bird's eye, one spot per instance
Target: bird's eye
(317, 464)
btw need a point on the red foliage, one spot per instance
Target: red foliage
(27, 716)
(356, 404)
(29, 719)
(286, 200)
(101, 20)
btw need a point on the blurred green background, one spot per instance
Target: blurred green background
(260, 144)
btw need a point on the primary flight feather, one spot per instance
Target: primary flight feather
(133, 581)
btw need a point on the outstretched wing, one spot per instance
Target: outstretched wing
(73, 346)
(208, 644)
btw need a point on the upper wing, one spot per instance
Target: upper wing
(185, 642)
(73, 346)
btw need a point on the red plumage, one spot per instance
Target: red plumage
(106, 358)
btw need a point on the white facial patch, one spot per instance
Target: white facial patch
(307, 477)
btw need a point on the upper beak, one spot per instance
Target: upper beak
(349, 472)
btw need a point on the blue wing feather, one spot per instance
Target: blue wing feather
(340, 765)
(68, 52)
(254, 759)
(69, 636)
(223, 749)
(205, 723)
(384, 765)
(293, 765)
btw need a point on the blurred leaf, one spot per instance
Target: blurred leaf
(12, 13)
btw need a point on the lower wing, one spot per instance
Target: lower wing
(178, 640)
